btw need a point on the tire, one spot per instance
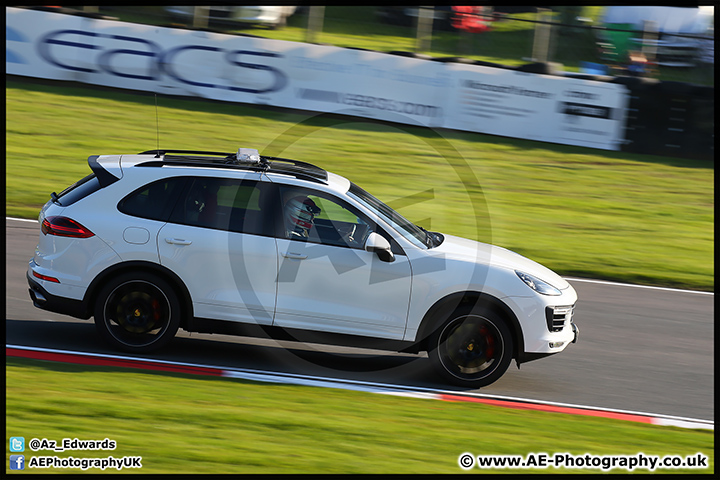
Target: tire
(472, 348)
(137, 312)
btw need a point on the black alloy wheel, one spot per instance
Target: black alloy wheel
(137, 312)
(471, 348)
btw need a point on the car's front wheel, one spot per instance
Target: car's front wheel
(137, 312)
(471, 348)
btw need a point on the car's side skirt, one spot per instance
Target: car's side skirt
(204, 325)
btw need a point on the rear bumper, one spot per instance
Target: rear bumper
(52, 303)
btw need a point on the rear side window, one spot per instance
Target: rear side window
(153, 201)
(78, 190)
(240, 206)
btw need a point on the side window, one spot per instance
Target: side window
(317, 217)
(226, 204)
(79, 190)
(153, 201)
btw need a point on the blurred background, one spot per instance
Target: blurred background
(664, 43)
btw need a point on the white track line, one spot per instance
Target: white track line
(373, 387)
(649, 287)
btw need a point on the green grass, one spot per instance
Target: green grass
(182, 423)
(582, 212)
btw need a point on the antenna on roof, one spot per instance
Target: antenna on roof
(157, 127)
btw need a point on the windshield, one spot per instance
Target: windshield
(417, 235)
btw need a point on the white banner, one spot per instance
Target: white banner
(536, 107)
(315, 78)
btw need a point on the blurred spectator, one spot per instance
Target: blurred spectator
(471, 19)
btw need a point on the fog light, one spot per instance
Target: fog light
(556, 344)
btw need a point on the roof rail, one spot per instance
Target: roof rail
(230, 160)
(190, 152)
(296, 163)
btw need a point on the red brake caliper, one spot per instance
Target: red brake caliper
(489, 341)
(156, 310)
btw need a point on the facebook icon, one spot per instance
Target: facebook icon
(17, 462)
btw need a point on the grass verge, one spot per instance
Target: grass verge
(182, 423)
(581, 212)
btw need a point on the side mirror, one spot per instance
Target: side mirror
(378, 244)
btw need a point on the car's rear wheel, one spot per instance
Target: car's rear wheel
(137, 312)
(471, 348)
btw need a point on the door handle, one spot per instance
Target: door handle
(178, 241)
(295, 256)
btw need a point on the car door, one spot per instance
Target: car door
(326, 280)
(220, 241)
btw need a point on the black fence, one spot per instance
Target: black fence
(669, 118)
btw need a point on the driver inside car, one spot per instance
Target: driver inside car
(299, 217)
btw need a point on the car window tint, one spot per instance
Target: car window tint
(153, 201)
(79, 190)
(225, 204)
(320, 218)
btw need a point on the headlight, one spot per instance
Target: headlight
(537, 284)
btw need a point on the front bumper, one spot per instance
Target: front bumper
(524, 357)
(576, 332)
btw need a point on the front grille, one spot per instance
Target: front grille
(558, 317)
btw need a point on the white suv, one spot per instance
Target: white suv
(261, 246)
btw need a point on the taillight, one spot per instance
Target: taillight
(64, 227)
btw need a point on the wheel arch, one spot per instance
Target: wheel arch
(450, 303)
(177, 284)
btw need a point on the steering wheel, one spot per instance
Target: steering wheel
(194, 204)
(348, 234)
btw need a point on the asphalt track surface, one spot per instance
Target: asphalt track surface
(640, 349)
